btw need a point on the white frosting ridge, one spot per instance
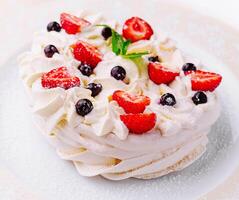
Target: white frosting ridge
(100, 143)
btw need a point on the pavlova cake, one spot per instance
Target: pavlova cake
(118, 99)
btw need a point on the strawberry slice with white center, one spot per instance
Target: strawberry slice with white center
(136, 29)
(131, 103)
(204, 81)
(139, 123)
(59, 77)
(160, 74)
(86, 53)
(72, 24)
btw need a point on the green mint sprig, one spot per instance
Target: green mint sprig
(120, 45)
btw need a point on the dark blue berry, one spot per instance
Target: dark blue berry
(83, 107)
(167, 100)
(189, 67)
(118, 73)
(53, 26)
(154, 59)
(50, 50)
(106, 32)
(95, 88)
(199, 98)
(85, 69)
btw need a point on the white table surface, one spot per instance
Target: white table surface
(15, 33)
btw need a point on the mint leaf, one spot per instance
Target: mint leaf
(125, 46)
(120, 45)
(135, 55)
(117, 42)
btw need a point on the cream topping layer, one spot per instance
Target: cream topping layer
(100, 143)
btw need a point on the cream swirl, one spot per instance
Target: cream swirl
(100, 143)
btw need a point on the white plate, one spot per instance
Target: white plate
(26, 153)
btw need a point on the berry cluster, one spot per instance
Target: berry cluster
(134, 105)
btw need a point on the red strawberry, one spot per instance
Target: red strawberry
(136, 29)
(73, 24)
(59, 77)
(131, 103)
(86, 53)
(160, 74)
(139, 123)
(204, 81)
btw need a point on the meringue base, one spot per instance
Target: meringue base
(186, 161)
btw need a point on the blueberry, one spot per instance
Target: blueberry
(154, 59)
(85, 69)
(106, 32)
(53, 26)
(83, 107)
(118, 73)
(168, 100)
(95, 88)
(50, 50)
(199, 98)
(189, 67)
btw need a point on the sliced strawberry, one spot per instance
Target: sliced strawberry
(73, 24)
(139, 123)
(131, 103)
(204, 81)
(160, 74)
(86, 53)
(59, 77)
(136, 29)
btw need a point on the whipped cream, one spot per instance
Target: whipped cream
(100, 143)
